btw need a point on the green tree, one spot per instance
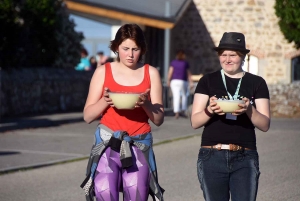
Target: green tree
(288, 12)
(37, 33)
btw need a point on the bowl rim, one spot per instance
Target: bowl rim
(225, 100)
(123, 92)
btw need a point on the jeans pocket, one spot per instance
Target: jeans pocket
(204, 155)
(252, 155)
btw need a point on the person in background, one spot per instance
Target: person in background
(101, 58)
(228, 165)
(122, 157)
(93, 63)
(110, 59)
(178, 77)
(84, 64)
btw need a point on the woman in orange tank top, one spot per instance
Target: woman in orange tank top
(123, 126)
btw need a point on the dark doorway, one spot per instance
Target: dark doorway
(296, 69)
(155, 45)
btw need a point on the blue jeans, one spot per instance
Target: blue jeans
(227, 173)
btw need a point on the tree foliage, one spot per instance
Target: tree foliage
(288, 12)
(37, 33)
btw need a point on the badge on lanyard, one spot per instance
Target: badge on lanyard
(230, 116)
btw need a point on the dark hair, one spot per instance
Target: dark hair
(84, 51)
(180, 55)
(92, 57)
(129, 31)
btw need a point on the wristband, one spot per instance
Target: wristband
(208, 113)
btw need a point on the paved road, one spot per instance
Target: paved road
(176, 160)
(63, 137)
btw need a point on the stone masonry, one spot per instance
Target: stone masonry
(205, 21)
(43, 91)
(285, 100)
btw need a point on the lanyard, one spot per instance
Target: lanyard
(237, 89)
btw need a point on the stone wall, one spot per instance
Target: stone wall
(205, 21)
(42, 91)
(285, 100)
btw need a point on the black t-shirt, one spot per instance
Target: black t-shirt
(221, 130)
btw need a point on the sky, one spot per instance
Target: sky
(97, 35)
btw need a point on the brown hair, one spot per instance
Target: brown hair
(84, 51)
(129, 31)
(180, 55)
(240, 54)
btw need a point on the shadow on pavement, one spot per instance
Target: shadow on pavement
(2, 153)
(10, 124)
(35, 123)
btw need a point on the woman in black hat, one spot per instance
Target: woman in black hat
(228, 163)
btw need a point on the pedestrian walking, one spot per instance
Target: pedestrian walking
(228, 165)
(101, 58)
(93, 63)
(178, 77)
(122, 157)
(84, 64)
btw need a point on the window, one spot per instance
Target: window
(296, 69)
(251, 64)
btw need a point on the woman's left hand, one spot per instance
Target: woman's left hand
(243, 107)
(143, 99)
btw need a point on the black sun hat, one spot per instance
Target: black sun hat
(233, 41)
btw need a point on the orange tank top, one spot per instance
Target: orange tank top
(134, 122)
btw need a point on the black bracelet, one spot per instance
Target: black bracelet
(208, 113)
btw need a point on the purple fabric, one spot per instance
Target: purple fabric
(180, 69)
(110, 177)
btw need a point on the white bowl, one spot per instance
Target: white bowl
(124, 100)
(229, 106)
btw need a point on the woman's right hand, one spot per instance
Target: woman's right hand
(106, 97)
(214, 107)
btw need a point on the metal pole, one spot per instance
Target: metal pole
(167, 45)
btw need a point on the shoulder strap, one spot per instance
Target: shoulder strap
(107, 70)
(147, 74)
(108, 76)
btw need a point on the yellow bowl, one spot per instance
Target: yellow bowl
(229, 106)
(123, 100)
